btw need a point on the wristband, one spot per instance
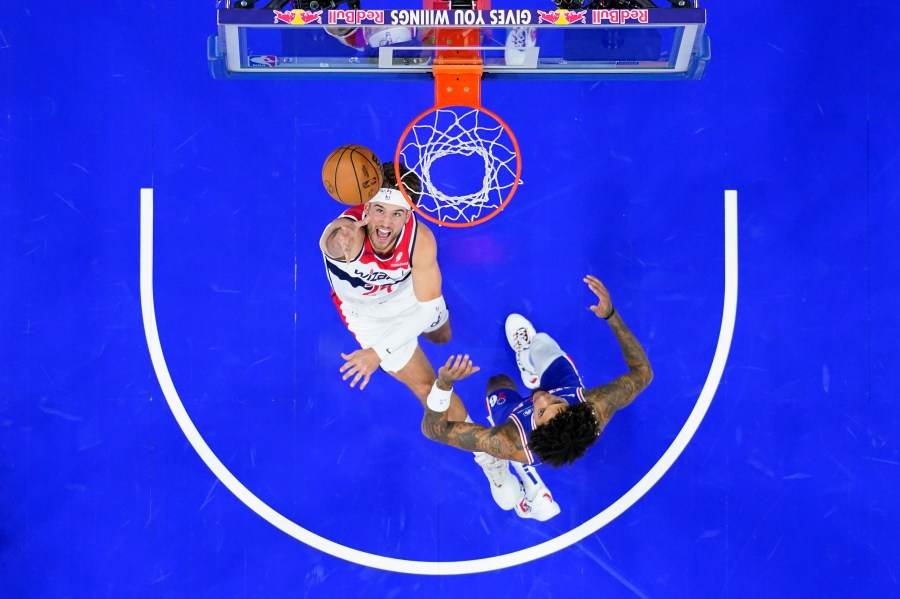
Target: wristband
(611, 313)
(438, 399)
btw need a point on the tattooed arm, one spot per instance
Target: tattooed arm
(500, 441)
(609, 398)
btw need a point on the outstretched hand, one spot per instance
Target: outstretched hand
(360, 365)
(456, 369)
(604, 308)
(345, 233)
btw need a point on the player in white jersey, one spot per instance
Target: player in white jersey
(386, 283)
(558, 422)
(382, 265)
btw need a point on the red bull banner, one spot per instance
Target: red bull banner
(464, 18)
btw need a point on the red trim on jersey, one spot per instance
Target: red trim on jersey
(578, 374)
(354, 212)
(519, 426)
(337, 304)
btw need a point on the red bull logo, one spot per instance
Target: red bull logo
(562, 16)
(355, 17)
(641, 15)
(298, 17)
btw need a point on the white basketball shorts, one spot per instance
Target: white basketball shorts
(371, 324)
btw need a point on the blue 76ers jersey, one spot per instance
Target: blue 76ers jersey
(369, 278)
(560, 379)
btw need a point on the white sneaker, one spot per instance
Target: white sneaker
(518, 40)
(345, 35)
(519, 334)
(505, 487)
(540, 506)
(377, 37)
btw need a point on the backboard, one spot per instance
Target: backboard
(662, 43)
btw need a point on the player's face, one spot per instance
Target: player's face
(546, 407)
(385, 223)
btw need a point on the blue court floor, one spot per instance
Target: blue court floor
(762, 461)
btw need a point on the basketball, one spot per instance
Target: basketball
(352, 174)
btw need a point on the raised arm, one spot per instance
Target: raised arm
(426, 275)
(343, 238)
(500, 441)
(609, 398)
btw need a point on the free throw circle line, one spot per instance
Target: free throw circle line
(506, 560)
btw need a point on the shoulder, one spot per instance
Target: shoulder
(424, 245)
(424, 235)
(608, 399)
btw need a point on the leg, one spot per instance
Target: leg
(554, 368)
(537, 502)
(440, 335)
(439, 331)
(544, 350)
(418, 375)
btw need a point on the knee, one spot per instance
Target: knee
(439, 336)
(499, 381)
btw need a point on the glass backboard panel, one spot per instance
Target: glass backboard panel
(590, 43)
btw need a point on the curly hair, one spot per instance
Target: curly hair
(566, 436)
(411, 181)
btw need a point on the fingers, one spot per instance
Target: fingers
(364, 382)
(355, 368)
(357, 374)
(597, 287)
(356, 377)
(460, 366)
(595, 284)
(343, 239)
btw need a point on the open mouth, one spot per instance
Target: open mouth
(382, 234)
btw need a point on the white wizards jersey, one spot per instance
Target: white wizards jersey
(368, 278)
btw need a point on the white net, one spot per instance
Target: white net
(462, 131)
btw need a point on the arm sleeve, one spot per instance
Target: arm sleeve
(428, 316)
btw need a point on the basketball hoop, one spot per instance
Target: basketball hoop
(458, 126)
(467, 131)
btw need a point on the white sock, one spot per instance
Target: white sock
(529, 477)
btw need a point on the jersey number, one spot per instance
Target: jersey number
(376, 288)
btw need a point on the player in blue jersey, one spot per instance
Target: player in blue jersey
(558, 422)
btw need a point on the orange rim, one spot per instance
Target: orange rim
(437, 221)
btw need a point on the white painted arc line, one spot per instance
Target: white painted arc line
(589, 527)
(181, 416)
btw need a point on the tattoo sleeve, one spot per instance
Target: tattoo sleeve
(609, 398)
(499, 441)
